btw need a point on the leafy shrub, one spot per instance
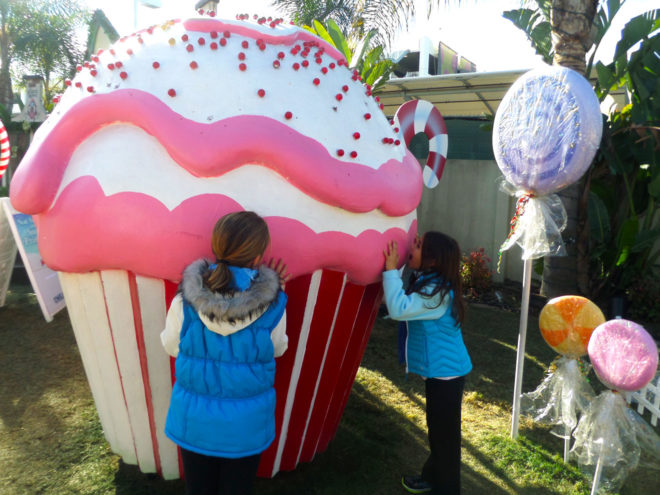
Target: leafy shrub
(476, 275)
(644, 299)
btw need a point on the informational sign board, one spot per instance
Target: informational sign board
(44, 281)
(7, 256)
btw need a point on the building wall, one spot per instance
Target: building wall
(468, 205)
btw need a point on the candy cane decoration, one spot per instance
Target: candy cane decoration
(5, 149)
(418, 116)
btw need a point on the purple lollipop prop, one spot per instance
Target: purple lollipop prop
(547, 130)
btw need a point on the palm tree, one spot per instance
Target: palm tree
(356, 18)
(40, 36)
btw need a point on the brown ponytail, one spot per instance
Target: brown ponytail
(238, 239)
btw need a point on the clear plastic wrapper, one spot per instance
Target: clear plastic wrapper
(562, 396)
(537, 224)
(613, 434)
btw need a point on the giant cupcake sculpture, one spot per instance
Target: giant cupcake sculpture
(159, 136)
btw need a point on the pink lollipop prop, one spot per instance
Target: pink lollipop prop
(5, 149)
(623, 354)
(607, 439)
(418, 116)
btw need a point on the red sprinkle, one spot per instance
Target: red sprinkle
(78, 84)
(90, 89)
(316, 81)
(123, 75)
(242, 67)
(276, 64)
(344, 88)
(184, 37)
(319, 60)
(214, 34)
(288, 115)
(172, 93)
(223, 41)
(305, 63)
(129, 51)
(377, 99)
(340, 152)
(245, 44)
(296, 66)
(324, 70)
(261, 93)
(367, 116)
(78, 68)
(201, 41)
(93, 72)
(155, 65)
(67, 82)
(339, 97)
(226, 34)
(332, 65)
(280, 55)
(213, 46)
(119, 65)
(353, 154)
(193, 65)
(356, 135)
(397, 142)
(241, 56)
(190, 48)
(381, 106)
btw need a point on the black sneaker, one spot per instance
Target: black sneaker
(415, 484)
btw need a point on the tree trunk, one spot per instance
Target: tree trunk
(572, 37)
(6, 94)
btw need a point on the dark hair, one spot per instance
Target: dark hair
(238, 238)
(441, 266)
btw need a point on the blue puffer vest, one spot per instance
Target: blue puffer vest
(223, 401)
(435, 348)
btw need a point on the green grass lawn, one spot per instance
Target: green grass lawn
(51, 440)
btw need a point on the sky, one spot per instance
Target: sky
(475, 29)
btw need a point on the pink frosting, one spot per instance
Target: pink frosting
(84, 230)
(209, 150)
(623, 354)
(133, 231)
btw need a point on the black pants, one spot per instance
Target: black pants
(206, 475)
(443, 418)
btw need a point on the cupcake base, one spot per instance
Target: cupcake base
(117, 318)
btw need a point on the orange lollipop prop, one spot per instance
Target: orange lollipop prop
(567, 323)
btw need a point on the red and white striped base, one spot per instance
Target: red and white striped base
(117, 318)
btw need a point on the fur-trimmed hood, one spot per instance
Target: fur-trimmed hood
(228, 313)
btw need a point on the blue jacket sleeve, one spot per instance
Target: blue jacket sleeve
(412, 306)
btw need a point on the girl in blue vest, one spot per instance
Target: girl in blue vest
(225, 327)
(432, 306)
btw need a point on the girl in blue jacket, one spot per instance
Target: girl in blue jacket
(225, 327)
(433, 308)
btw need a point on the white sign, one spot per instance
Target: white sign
(7, 257)
(33, 108)
(44, 281)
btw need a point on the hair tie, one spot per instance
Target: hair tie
(224, 262)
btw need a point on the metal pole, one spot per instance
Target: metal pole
(520, 354)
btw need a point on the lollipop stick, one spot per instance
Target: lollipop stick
(567, 443)
(599, 468)
(520, 355)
